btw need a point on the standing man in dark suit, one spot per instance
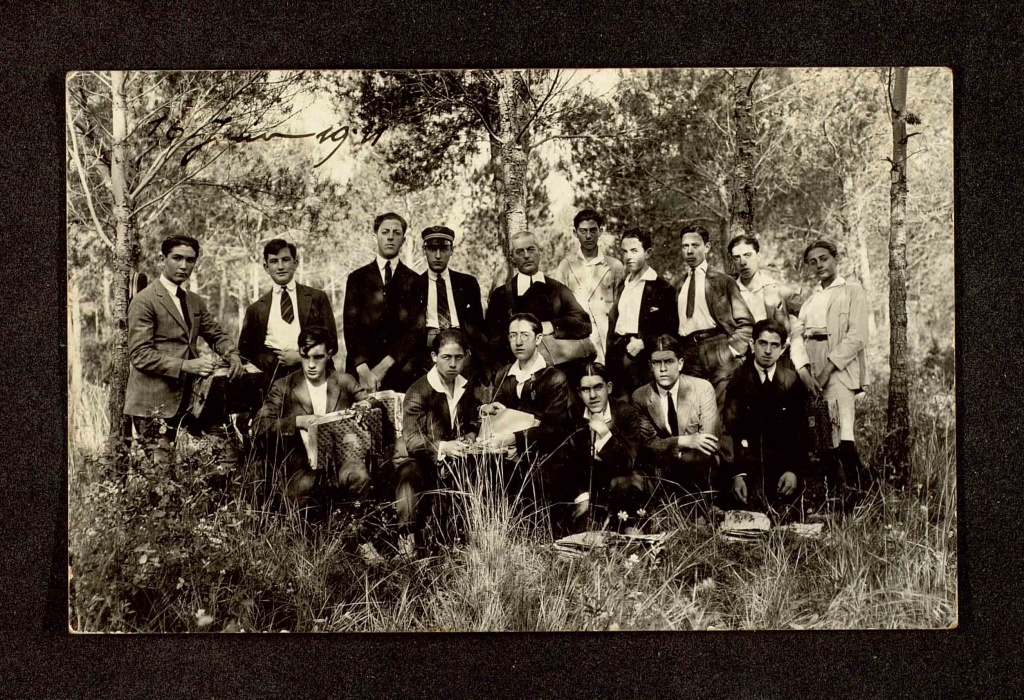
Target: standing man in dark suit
(714, 321)
(529, 291)
(270, 330)
(766, 417)
(381, 314)
(450, 299)
(644, 308)
(164, 323)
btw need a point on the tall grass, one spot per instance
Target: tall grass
(171, 549)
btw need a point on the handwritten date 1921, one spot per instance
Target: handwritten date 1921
(212, 131)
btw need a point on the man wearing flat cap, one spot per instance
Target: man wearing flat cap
(448, 299)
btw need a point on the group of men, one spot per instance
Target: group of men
(639, 388)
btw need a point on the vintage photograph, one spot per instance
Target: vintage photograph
(511, 350)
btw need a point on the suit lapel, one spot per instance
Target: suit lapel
(654, 408)
(300, 393)
(333, 392)
(263, 310)
(304, 300)
(165, 299)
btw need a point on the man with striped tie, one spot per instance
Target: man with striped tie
(270, 330)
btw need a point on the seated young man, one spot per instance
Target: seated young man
(607, 439)
(681, 422)
(293, 402)
(531, 386)
(440, 417)
(766, 416)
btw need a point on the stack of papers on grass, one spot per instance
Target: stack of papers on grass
(813, 531)
(575, 546)
(744, 525)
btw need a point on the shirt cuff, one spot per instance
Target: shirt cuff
(585, 496)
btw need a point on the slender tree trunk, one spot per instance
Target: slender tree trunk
(743, 190)
(124, 260)
(897, 434)
(74, 349)
(855, 237)
(514, 149)
(108, 312)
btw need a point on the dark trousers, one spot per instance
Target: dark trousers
(691, 477)
(628, 373)
(712, 360)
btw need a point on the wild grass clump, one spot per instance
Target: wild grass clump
(185, 548)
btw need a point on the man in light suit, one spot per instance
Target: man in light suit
(681, 424)
(270, 331)
(164, 324)
(381, 314)
(714, 322)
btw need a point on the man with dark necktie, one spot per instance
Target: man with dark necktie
(449, 299)
(164, 324)
(681, 424)
(714, 321)
(270, 330)
(381, 315)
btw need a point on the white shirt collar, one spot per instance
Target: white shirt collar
(703, 267)
(837, 282)
(432, 276)
(596, 260)
(168, 285)
(649, 275)
(523, 281)
(382, 260)
(290, 286)
(606, 414)
(761, 371)
(437, 384)
(757, 282)
(674, 390)
(535, 364)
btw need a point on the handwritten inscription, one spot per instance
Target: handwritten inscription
(336, 136)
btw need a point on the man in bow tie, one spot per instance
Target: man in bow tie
(270, 331)
(530, 291)
(164, 324)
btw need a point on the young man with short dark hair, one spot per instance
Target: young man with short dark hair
(765, 297)
(164, 324)
(591, 275)
(681, 423)
(766, 418)
(270, 330)
(714, 321)
(381, 313)
(644, 308)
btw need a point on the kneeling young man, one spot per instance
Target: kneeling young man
(681, 424)
(440, 418)
(294, 401)
(607, 440)
(766, 416)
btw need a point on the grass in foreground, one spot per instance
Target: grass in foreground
(168, 551)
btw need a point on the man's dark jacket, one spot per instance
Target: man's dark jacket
(314, 309)
(767, 423)
(466, 291)
(376, 324)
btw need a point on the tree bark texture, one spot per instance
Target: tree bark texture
(743, 190)
(897, 434)
(513, 121)
(124, 260)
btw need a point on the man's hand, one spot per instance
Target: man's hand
(809, 381)
(787, 483)
(825, 374)
(302, 422)
(454, 448)
(634, 347)
(772, 298)
(739, 489)
(598, 425)
(288, 357)
(382, 368)
(367, 379)
(581, 506)
(235, 367)
(702, 442)
(497, 441)
(489, 409)
(547, 328)
(203, 366)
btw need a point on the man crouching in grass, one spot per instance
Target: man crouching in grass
(766, 416)
(294, 401)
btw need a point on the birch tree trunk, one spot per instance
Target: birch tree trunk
(124, 260)
(743, 190)
(897, 434)
(74, 351)
(513, 120)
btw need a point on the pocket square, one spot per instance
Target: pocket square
(653, 309)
